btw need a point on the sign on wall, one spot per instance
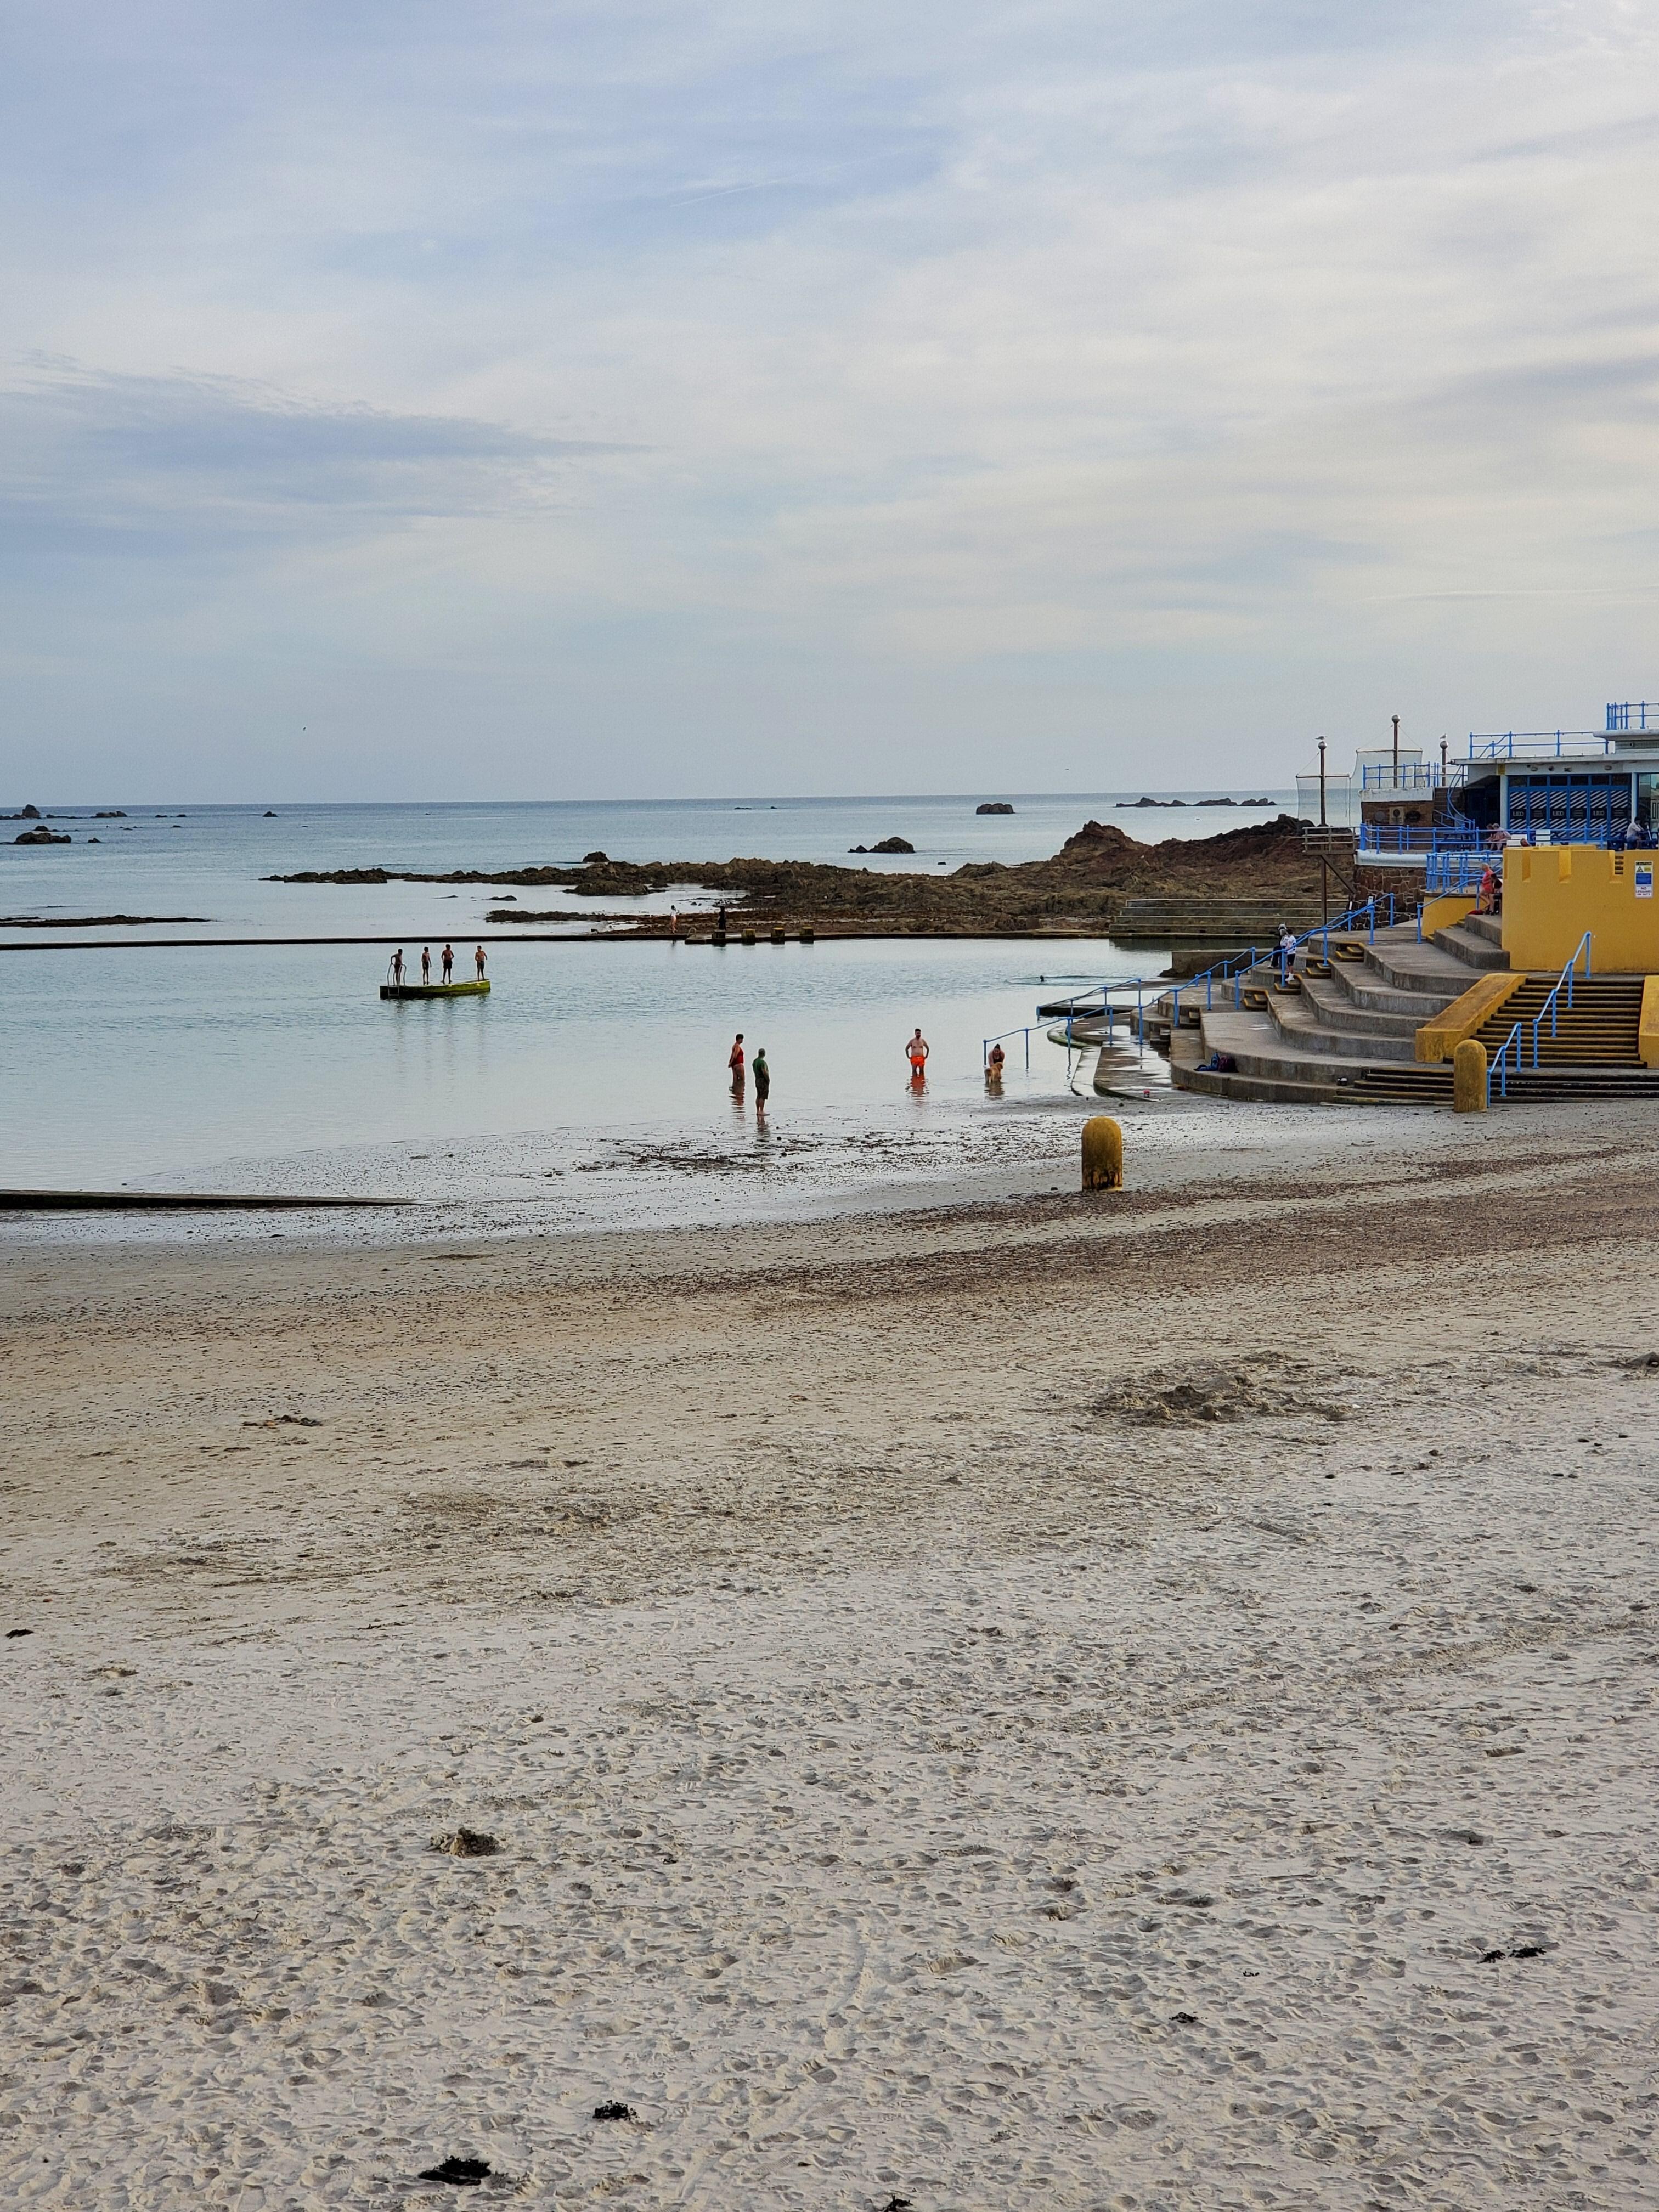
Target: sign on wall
(1644, 879)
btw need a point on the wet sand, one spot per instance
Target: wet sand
(1137, 1702)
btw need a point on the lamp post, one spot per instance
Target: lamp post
(1397, 756)
(1324, 861)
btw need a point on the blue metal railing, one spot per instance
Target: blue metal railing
(1633, 715)
(1410, 775)
(1512, 1054)
(1455, 872)
(1356, 918)
(1420, 837)
(985, 1048)
(1233, 970)
(1535, 744)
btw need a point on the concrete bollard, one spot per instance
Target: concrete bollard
(778, 937)
(1102, 1153)
(807, 933)
(749, 936)
(1469, 1078)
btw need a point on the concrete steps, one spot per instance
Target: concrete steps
(1288, 1050)
(1599, 1029)
(1301, 1023)
(1339, 1010)
(1474, 948)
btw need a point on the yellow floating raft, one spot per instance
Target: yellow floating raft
(478, 990)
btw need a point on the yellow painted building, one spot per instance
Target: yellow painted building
(1553, 893)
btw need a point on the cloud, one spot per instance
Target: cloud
(1039, 368)
(109, 464)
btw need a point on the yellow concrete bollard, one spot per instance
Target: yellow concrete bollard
(1102, 1153)
(1469, 1078)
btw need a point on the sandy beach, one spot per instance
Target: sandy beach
(1138, 1702)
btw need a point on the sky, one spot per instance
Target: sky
(545, 401)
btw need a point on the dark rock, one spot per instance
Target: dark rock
(111, 814)
(270, 814)
(994, 806)
(42, 835)
(466, 1844)
(10, 1633)
(894, 845)
(615, 2110)
(30, 814)
(462, 2173)
(590, 859)
(1183, 2019)
(858, 848)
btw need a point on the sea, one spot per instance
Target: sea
(589, 1087)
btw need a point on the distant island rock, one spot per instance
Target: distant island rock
(93, 920)
(270, 814)
(595, 859)
(30, 814)
(894, 845)
(42, 835)
(1144, 801)
(994, 806)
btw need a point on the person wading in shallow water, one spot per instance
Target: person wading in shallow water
(763, 1084)
(448, 958)
(478, 959)
(735, 1061)
(917, 1049)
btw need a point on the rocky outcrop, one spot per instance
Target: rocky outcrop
(42, 835)
(1086, 887)
(994, 806)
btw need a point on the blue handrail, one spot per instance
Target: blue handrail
(1351, 922)
(985, 1044)
(1231, 970)
(1510, 1052)
(1565, 979)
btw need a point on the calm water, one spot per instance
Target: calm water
(199, 1064)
